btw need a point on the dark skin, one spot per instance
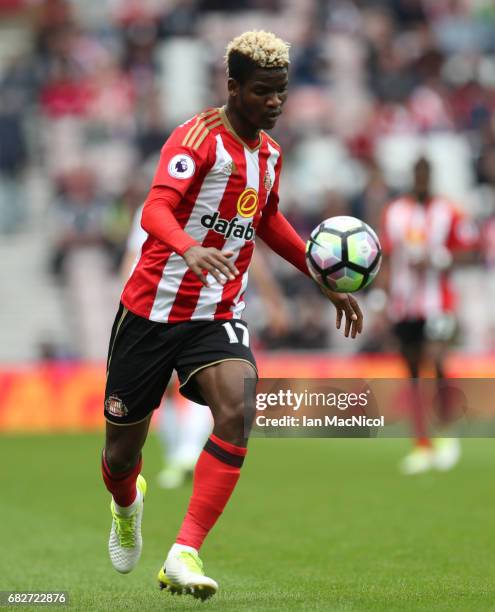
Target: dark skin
(252, 106)
(422, 180)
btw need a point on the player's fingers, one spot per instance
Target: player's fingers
(225, 256)
(348, 323)
(226, 266)
(223, 266)
(213, 269)
(354, 329)
(200, 273)
(354, 324)
(219, 266)
(350, 316)
(349, 310)
(222, 258)
(359, 313)
(338, 321)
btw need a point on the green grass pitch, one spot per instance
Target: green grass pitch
(313, 525)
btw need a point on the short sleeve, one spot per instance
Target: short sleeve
(464, 234)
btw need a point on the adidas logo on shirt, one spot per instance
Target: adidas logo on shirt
(228, 228)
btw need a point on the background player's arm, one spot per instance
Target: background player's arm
(135, 240)
(270, 293)
(464, 240)
(383, 280)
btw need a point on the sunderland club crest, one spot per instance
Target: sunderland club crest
(267, 181)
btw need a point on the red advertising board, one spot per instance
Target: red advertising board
(69, 396)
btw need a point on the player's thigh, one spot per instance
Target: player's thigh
(410, 335)
(140, 363)
(223, 386)
(212, 369)
(437, 351)
(211, 343)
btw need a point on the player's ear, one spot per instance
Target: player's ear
(233, 87)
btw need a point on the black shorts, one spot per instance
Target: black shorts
(143, 354)
(415, 332)
(410, 332)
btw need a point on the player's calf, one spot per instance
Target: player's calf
(230, 424)
(215, 477)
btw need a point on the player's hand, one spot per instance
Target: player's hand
(346, 304)
(204, 260)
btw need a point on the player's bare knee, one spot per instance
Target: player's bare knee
(119, 459)
(229, 422)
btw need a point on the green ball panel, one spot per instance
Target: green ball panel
(327, 252)
(373, 274)
(330, 241)
(361, 249)
(345, 280)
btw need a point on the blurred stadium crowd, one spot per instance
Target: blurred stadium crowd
(90, 90)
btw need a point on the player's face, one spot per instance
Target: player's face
(260, 99)
(422, 176)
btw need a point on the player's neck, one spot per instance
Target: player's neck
(245, 130)
(422, 197)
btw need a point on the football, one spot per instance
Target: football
(343, 254)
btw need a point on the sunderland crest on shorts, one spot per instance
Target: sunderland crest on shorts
(115, 406)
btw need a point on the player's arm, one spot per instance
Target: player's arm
(160, 222)
(135, 240)
(463, 241)
(459, 247)
(270, 292)
(178, 168)
(382, 282)
(281, 237)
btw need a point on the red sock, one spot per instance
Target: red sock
(216, 474)
(121, 486)
(418, 412)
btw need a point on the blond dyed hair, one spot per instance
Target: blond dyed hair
(263, 48)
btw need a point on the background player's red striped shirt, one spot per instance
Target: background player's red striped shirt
(412, 232)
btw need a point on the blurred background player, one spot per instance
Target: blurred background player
(183, 426)
(423, 235)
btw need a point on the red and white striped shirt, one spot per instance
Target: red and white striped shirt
(413, 232)
(226, 187)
